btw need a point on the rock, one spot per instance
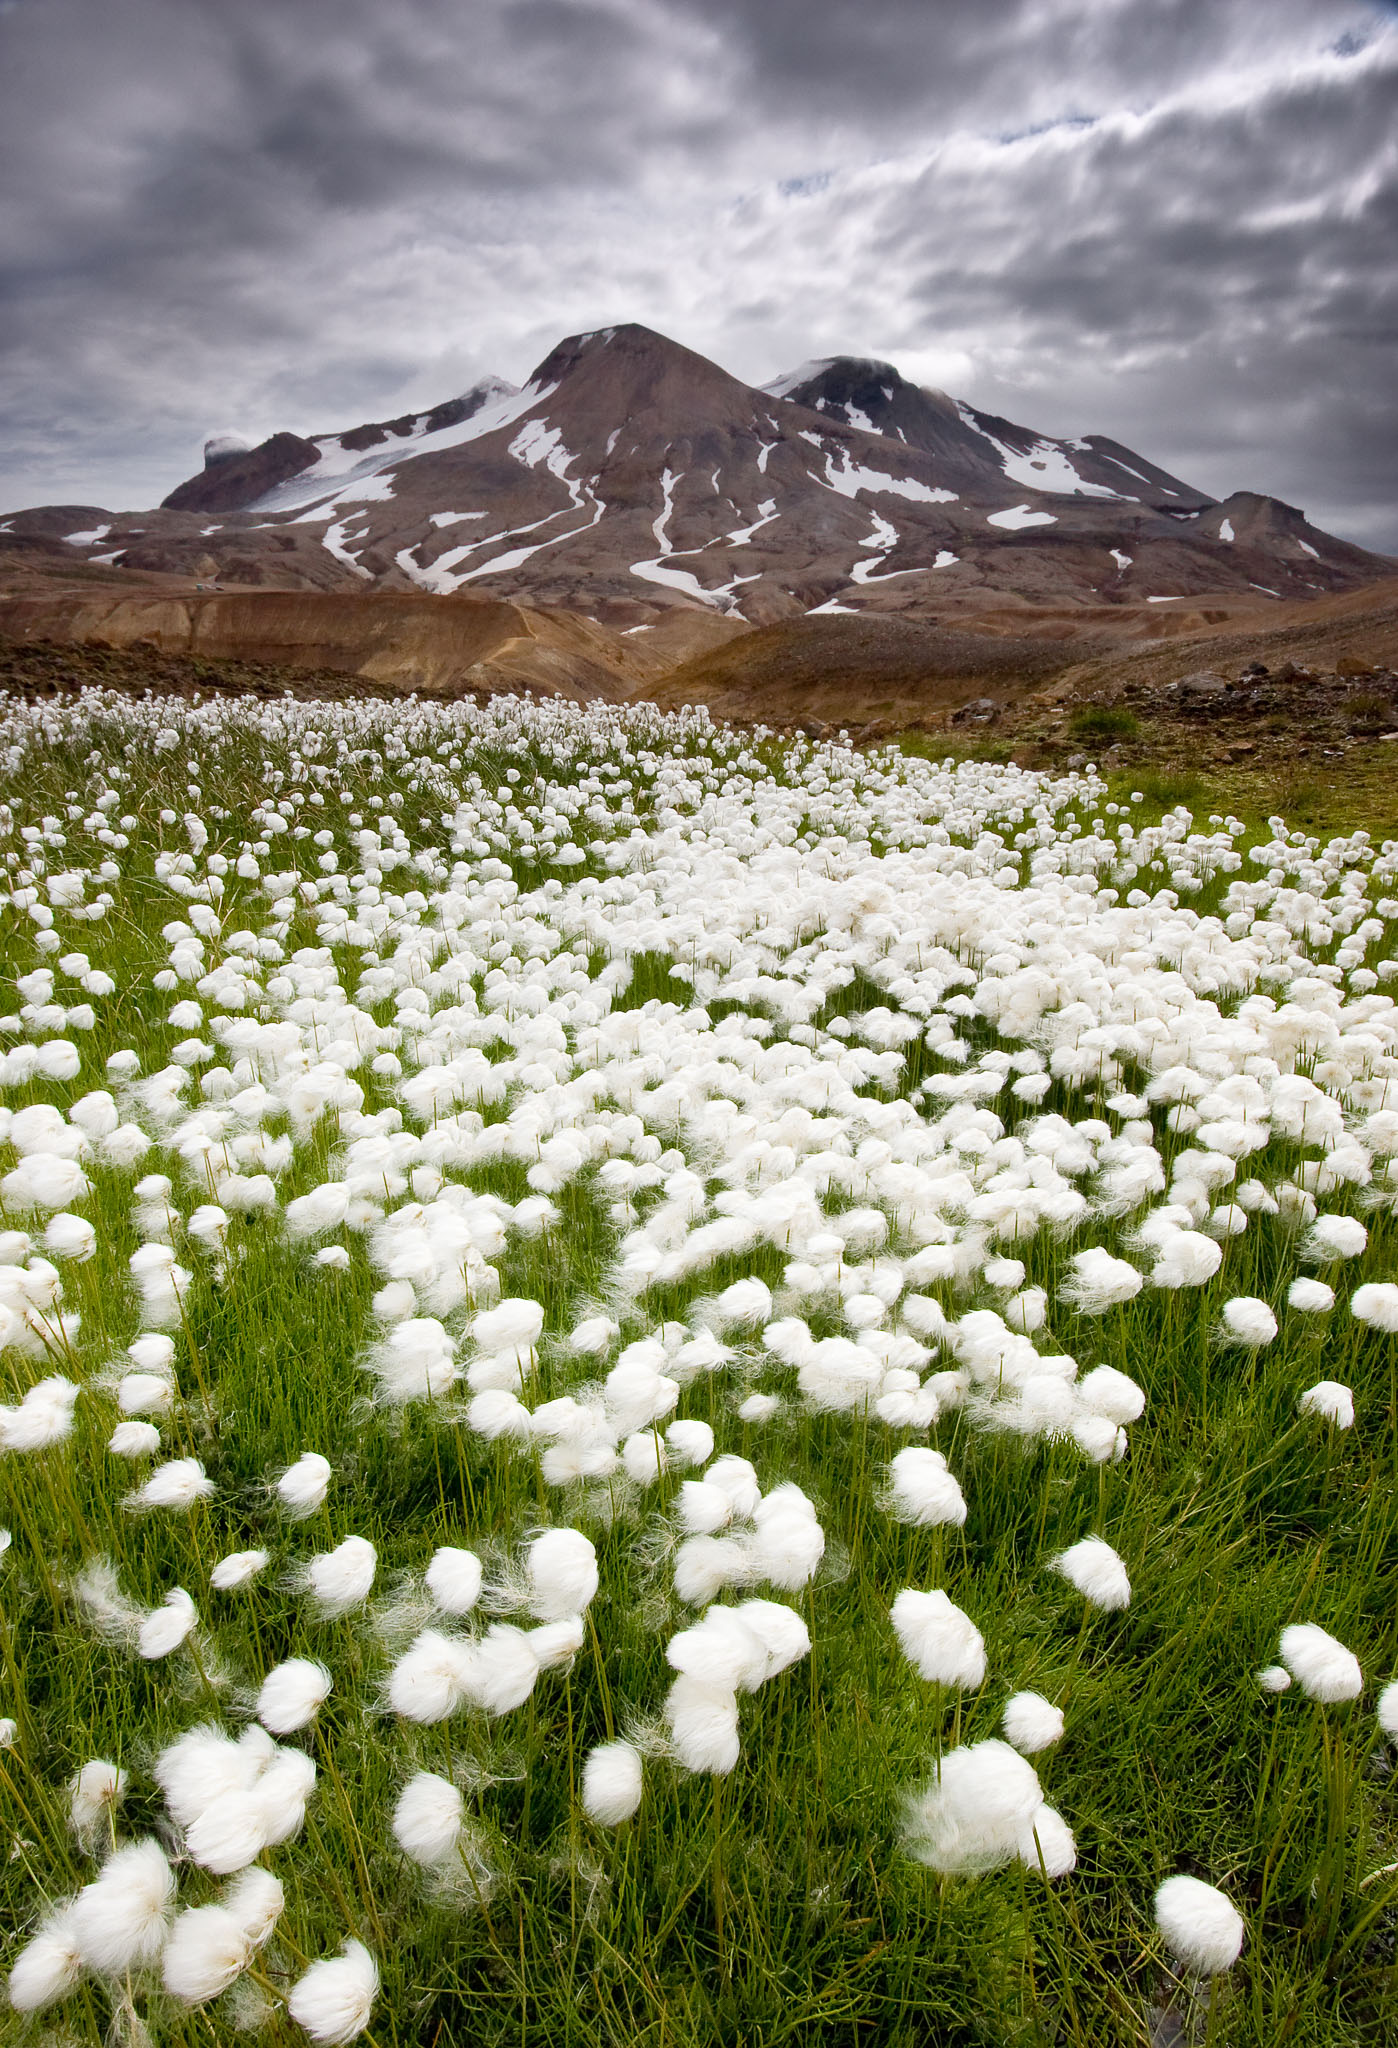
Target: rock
(1238, 747)
(1255, 668)
(980, 711)
(1204, 682)
(1353, 665)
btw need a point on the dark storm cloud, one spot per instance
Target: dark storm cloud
(1135, 216)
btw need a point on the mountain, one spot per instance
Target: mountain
(631, 476)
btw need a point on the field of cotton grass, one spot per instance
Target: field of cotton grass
(667, 1387)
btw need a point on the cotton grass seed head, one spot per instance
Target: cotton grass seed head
(1331, 1401)
(48, 1966)
(291, 1693)
(239, 1568)
(1310, 1297)
(1096, 1571)
(303, 1486)
(335, 1997)
(454, 1579)
(342, 1579)
(1031, 1722)
(1201, 1926)
(427, 1818)
(120, 1920)
(1387, 1710)
(611, 1783)
(1323, 1668)
(942, 1643)
(1249, 1322)
(922, 1491)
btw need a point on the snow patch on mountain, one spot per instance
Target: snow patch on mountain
(331, 475)
(88, 540)
(852, 477)
(1018, 516)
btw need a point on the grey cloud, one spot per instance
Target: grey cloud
(262, 216)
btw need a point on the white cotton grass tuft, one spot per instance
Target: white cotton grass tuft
(43, 1417)
(1095, 1570)
(941, 1642)
(134, 1440)
(342, 1579)
(239, 1568)
(1323, 1668)
(758, 1408)
(427, 1819)
(922, 1491)
(454, 1579)
(611, 1783)
(1111, 1394)
(167, 1626)
(1336, 1237)
(703, 1723)
(1248, 1321)
(1386, 1708)
(93, 1798)
(1311, 1297)
(48, 1966)
(430, 1681)
(562, 1571)
(1202, 1927)
(983, 1808)
(291, 1693)
(1274, 1678)
(1376, 1303)
(333, 2000)
(144, 1393)
(119, 1921)
(1031, 1722)
(210, 1946)
(1100, 1282)
(177, 1484)
(1331, 1400)
(303, 1486)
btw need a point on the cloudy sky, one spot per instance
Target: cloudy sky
(1174, 221)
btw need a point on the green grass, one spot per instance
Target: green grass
(777, 1905)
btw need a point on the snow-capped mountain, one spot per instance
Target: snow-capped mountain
(631, 475)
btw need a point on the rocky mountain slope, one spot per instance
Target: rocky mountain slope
(631, 477)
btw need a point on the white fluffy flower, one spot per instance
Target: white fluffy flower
(291, 1693)
(237, 1569)
(134, 1440)
(48, 1966)
(1323, 1668)
(335, 1997)
(1376, 1303)
(120, 1919)
(979, 1811)
(1249, 1321)
(454, 1579)
(1096, 1571)
(302, 1487)
(177, 1484)
(1202, 1927)
(1031, 1722)
(93, 1797)
(1311, 1297)
(1100, 1282)
(427, 1818)
(167, 1626)
(1331, 1400)
(1387, 1710)
(343, 1578)
(611, 1783)
(562, 1568)
(941, 1642)
(922, 1491)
